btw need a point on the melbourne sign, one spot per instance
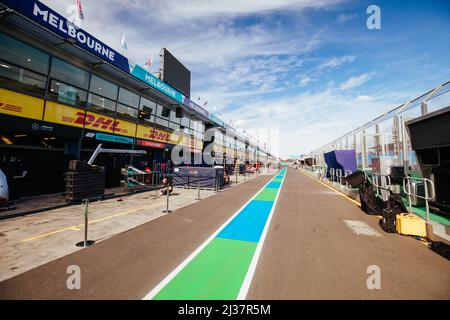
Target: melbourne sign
(53, 21)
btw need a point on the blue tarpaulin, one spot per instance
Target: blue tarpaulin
(340, 159)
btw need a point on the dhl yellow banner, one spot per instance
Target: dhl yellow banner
(20, 105)
(58, 113)
(149, 133)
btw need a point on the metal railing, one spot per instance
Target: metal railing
(332, 172)
(339, 175)
(407, 184)
(382, 182)
(391, 121)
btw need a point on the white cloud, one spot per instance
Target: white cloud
(342, 18)
(204, 45)
(355, 81)
(180, 11)
(335, 61)
(309, 119)
(364, 98)
(305, 80)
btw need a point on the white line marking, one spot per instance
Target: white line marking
(361, 228)
(171, 275)
(251, 270)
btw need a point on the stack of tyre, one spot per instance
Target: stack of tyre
(84, 181)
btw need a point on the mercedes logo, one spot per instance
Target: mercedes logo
(35, 126)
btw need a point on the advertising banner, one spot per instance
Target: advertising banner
(150, 144)
(20, 105)
(149, 133)
(55, 22)
(156, 83)
(113, 138)
(62, 114)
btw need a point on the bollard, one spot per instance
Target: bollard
(86, 242)
(86, 212)
(236, 177)
(167, 203)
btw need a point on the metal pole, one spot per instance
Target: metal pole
(95, 154)
(426, 200)
(86, 212)
(167, 204)
(85, 242)
(408, 192)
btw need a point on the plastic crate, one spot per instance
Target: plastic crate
(409, 224)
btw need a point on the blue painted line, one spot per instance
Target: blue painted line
(273, 185)
(249, 224)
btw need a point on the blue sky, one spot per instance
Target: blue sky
(308, 68)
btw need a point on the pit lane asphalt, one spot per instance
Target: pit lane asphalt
(309, 253)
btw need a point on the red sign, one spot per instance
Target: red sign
(151, 144)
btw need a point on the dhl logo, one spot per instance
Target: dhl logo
(161, 135)
(157, 134)
(92, 121)
(10, 107)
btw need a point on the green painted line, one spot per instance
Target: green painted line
(216, 273)
(267, 194)
(277, 179)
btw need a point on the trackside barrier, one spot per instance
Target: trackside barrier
(407, 187)
(169, 177)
